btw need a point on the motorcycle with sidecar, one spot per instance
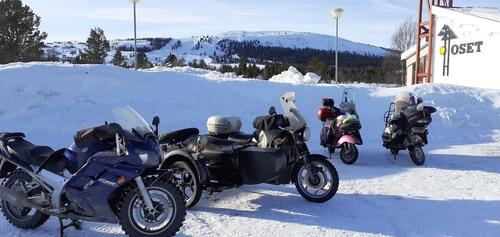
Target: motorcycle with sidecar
(276, 153)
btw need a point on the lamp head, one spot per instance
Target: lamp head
(337, 13)
(134, 1)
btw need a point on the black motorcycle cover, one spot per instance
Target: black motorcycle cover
(91, 136)
(269, 122)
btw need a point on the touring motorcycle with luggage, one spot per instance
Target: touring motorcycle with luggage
(109, 174)
(341, 126)
(276, 153)
(406, 123)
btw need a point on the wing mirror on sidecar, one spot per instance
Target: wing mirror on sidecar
(156, 122)
(201, 143)
(272, 110)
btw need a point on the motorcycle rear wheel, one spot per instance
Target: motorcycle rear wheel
(21, 217)
(312, 187)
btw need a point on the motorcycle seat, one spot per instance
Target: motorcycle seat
(178, 136)
(240, 137)
(28, 152)
(6, 136)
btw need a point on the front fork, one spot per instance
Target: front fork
(144, 192)
(303, 151)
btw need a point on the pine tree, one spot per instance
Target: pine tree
(202, 64)
(119, 59)
(20, 38)
(142, 60)
(97, 48)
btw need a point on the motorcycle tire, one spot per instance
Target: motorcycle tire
(301, 178)
(132, 212)
(189, 179)
(417, 155)
(349, 153)
(20, 217)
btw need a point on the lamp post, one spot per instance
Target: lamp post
(336, 14)
(134, 2)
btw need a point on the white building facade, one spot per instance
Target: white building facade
(466, 48)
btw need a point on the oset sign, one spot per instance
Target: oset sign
(447, 49)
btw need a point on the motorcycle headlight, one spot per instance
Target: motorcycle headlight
(148, 158)
(306, 134)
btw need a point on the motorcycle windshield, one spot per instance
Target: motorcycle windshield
(291, 112)
(348, 101)
(131, 121)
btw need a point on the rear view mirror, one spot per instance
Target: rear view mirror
(272, 110)
(156, 121)
(419, 100)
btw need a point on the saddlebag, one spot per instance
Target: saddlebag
(261, 165)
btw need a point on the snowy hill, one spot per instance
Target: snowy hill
(198, 47)
(456, 193)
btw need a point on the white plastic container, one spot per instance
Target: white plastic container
(222, 125)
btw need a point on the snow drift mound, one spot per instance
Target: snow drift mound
(292, 75)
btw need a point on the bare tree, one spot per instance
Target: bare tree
(405, 36)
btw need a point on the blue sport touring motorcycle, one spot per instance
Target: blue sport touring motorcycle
(109, 174)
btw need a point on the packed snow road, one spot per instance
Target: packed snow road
(455, 193)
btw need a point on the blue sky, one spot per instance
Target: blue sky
(367, 21)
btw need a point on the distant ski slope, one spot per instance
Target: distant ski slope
(207, 45)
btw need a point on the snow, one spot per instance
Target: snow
(456, 192)
(292, 75)
(484, 12)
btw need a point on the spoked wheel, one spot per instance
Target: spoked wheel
(165, 219)
(320, 186)
(417, 155)
(349, 153)
(22, 217)
(187, 181)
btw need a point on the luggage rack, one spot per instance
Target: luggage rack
(388, 114)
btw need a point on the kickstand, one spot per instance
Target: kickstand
(73, 223)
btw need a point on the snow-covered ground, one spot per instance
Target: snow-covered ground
(456, 192)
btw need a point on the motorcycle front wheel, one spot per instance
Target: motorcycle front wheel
(320, 186)
(165, 219)
(187, 181)
(349, 153)
(417, 155)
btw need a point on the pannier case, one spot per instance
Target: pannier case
(223, 125)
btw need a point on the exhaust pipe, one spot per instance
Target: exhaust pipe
(17, 198)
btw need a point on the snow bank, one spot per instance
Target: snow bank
(292, 75)
(456, 192)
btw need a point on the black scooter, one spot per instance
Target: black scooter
(276, 153)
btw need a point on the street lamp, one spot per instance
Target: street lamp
(336, 14)
(135, 34)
